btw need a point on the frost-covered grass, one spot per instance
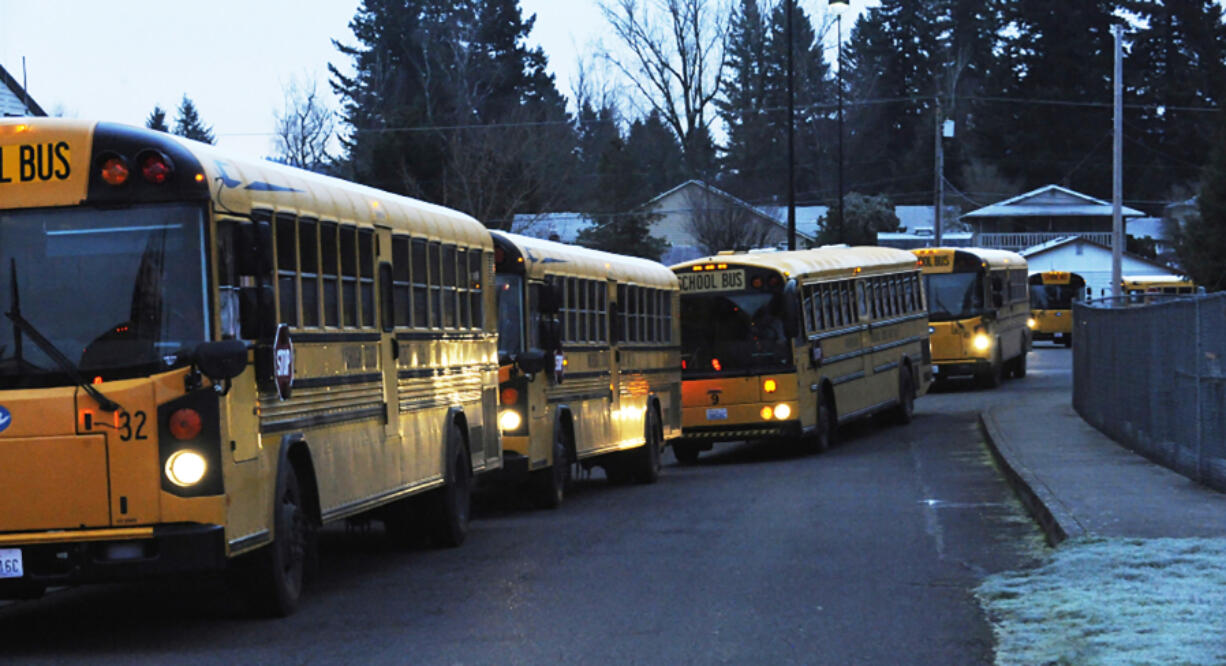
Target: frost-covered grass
(1113, 601)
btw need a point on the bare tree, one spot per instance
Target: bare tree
(678, 52)
(717, 223)
(305, 126)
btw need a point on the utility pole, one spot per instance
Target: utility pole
(1117, 167)
(791, 136)
(938, 186)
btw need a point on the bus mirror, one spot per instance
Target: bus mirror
(533, 361)
(222, 360)
(253, 248)
(257, 312)
(550, 299)
(504, 357)
(791, 310)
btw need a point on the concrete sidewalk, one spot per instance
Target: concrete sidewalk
(1078, 482)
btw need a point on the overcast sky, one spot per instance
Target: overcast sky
(115, 60)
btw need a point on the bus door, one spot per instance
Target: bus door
(389, 347)
(614, 308)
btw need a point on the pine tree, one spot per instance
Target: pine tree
(157, 119)
(1201, 242)
(751, 139)
(1177, 63)
(188, 123)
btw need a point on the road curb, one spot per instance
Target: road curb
(1053, 517)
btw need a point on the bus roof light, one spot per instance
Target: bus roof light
(115, 170)
(156, 167)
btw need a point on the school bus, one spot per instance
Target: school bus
(978, 306)
(589, 363)
(777, 345)
(204, 359)
(1052, 294)
(1150, 288)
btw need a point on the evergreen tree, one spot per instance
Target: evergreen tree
(449, 105)
(866, 217)
(892, 79)
(157, 119)
(188, 123)
(751, 139)
(1201, 242)
(1177, 63)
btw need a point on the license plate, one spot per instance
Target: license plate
(717, 414)
(1059, 335)
(936, 370)
(10, 563)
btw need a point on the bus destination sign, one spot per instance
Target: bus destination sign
(713, 281)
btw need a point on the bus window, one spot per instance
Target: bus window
(462, 287)
(400, 280)
(437, 318)
(954, 295)
(474, 295)
(287, 269)
(449, 285)
(421, 284)
(349, 276)
(510, 289)
(329, 246)
(366, 275)
(308, 257)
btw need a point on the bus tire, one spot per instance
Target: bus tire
(1019, 366)
(549, 485)
(906, 397)
(994, 375)
(646, 467)
(686, 453)
(452, 504)
(280, 567)
(823, 437)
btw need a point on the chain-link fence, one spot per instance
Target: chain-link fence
(1152, 378)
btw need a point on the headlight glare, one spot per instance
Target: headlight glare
(1032, 322)
(509, 420)
(782, 412)
(981, 342)
(185, 468)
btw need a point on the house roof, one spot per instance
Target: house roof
(764, 214)
(1069, 240)
(21, 102)
(1049, 201)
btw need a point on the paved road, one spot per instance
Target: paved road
(865, 554)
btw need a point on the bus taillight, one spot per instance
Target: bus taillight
(114, 170)
(155, 167)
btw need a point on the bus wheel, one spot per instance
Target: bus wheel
(823, 438)
(452, 504)
(550, 484)
(647, 458)
(906, 397)
(686, 453)
(995, 374)
(1019, 366)
(281, 565)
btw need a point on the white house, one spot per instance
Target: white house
(14, 100)
(1039, 216)
(1089, 259)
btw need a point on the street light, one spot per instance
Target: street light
(840, 6)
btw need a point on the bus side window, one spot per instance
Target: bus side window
(227, 280)
(475, 262)
(421, 284)
(463, 284)
(806, 306)
(997, 285)
(602, 310)
(308, 257)
(400, 280)
(828, 304)
(349, 276)
(435, 250)
(448, 279)
(287, 268)
(329, 245)
(366, 275)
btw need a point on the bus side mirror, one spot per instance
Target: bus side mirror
(791, 310)
(221, 360)
(550, 297)
(532, 361)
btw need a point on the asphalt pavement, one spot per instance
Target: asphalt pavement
(1075, 480)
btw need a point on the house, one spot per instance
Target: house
(14, 100)
(1089, 259)
(694, 216)
(1043, 215)
(564, 227)
(924, 237)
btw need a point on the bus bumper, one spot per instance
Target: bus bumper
(169, 549)
(515, 468)
(960, 368)
(739, 432)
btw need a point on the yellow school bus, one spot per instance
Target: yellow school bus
(978, 306)
(1052, 294)
(1150, 288)
(204, 359)
(785, 344)
(589, 363)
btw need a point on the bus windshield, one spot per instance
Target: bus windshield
(738, 332)
(954, 295)
(510, 312)
(119, 292)
(1053, 296)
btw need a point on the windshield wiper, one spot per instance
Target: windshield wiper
(49, 349)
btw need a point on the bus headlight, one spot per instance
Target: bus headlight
(1032, 323)
(981, 342)
(185, 468)
(509, 420)
(782, 412)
